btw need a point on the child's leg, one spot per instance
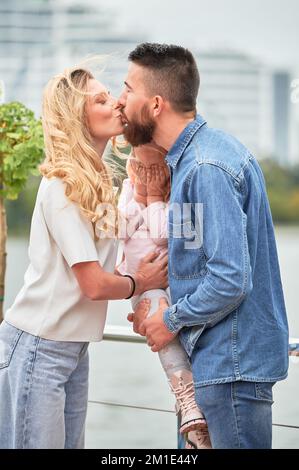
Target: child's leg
(176, 365)
(173, 357)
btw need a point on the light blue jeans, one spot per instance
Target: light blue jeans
(239, 414)
(43, 391)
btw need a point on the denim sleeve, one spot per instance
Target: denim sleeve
(228, 273)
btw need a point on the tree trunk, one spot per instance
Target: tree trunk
(3, 236)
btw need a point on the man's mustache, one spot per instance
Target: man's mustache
(119, 107)
(124, 118)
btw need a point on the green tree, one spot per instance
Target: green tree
(21, 150)
(283, 189)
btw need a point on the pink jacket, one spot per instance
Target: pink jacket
(143, 229)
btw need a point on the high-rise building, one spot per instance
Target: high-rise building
(294, 105)
(236, 95)
(282, 104)
(39, 38)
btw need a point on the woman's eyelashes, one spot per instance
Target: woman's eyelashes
(102, 98)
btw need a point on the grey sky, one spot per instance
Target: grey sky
(266, 29)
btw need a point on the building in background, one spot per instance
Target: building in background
(282, 104)
(39, 38)
(294, 139)
(236, 95)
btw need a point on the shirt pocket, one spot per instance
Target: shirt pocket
(9, 337)
(187, 259)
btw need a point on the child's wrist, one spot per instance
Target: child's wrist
(140, 199)
(153, 199)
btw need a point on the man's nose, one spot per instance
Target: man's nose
(122, 100)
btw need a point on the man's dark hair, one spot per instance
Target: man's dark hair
(171, 72)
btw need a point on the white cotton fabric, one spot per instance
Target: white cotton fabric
(50, 303)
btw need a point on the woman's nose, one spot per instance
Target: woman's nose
(115, 107)
(115, 103)
(112, 101)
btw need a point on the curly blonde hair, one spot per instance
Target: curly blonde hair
(70, 153)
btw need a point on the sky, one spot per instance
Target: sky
(265, 29)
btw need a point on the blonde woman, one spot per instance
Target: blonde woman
(62, 305)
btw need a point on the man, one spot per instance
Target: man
(224, 278)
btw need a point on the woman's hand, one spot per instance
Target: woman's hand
(152, 273)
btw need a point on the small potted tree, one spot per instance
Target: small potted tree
(21, 150)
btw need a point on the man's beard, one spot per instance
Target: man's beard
(140, 131)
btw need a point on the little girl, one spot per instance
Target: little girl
(143, 205)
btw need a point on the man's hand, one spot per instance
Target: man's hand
(155, 330)
(140, 314)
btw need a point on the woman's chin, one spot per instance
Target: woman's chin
(119, 130)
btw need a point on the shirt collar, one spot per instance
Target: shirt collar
(183, 140)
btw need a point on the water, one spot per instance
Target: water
(131, 373)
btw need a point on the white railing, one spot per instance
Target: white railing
(126, 335)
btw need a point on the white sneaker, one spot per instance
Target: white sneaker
(198, 439)
(181, 384)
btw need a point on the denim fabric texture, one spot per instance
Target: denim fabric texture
(224, 277)
(44, 391)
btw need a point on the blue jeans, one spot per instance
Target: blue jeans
(43, 391)
(239, 414)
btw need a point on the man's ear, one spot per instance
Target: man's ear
(157, 105)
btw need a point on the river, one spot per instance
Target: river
(131, 374)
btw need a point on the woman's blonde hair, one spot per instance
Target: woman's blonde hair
(70, 153)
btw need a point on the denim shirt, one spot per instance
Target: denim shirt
(224, 278)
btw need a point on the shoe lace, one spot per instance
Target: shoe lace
(184, 394)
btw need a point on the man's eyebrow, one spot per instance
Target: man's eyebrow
(127, 85)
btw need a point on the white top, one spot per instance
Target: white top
(51, 304)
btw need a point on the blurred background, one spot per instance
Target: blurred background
(247, 54)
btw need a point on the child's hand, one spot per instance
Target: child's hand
(138, 196)
(139, 170)
(157, 181)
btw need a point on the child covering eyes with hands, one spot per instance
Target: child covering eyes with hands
(144, 204)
